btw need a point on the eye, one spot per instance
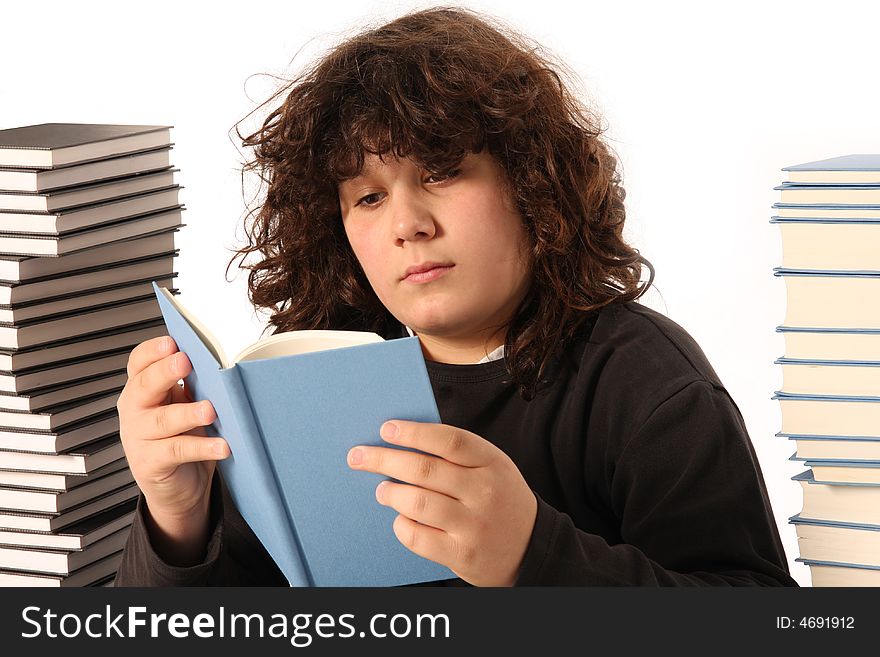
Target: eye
(442, 177)
(369, 199)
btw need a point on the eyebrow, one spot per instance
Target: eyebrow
(345, 185)
(365, 172)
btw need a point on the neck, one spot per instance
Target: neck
(461, 351)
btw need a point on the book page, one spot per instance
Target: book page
(282, 344)
(302, 342)
(200, 329)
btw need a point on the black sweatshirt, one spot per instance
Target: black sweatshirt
(639, 459)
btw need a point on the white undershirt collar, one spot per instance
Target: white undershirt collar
(495, 354)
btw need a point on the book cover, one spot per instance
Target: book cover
(65, 351)
(836, 541)
(831, 344)
(290, 421)
(831, 299)
(26, 381)
(800, 519)
(839, 503)
(37, 244)
(80, 301)
(840, 471)
(839, 245)
(856, 162)
(50, 522)
(45, 330)
(89, 575)
(78, 535)
(50, 145)
(830, 377)
(49, 501)
(15, 269)
(81, 460)
(65, 198)
(43, 398)
(56, 481)
(856, 168)
(68, 220)
(829, 194)
(824, 212)
(807, 477)
(78, 282)
(828, 573)
(61, 415)
(861, 450)
(823, 415)
(61, 562)
(41, 180)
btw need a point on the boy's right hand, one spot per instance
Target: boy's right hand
(170, 457)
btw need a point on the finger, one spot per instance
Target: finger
(187, 392)
(425, 541)
(166, 421)
(450, 443)
(150, 388)
(416, 468)
(180, 395)
(148, 352)
(190, 449)
(425, 506)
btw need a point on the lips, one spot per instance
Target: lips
(426, 271)
(425, 267)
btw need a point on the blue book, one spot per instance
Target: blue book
(837, 543)
(831, 299)
(831, 573)
(291, 406)
(830, 471)
(822, 195)
(840, 503)
(847, 169)
(808, 477)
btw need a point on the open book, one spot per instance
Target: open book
(291, 406)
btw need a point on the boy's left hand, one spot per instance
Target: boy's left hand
(469, 507)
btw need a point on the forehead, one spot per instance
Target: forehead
(379, 165)
(374, 163)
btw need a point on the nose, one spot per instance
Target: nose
(412, 217)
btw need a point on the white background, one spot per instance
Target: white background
(704, 102)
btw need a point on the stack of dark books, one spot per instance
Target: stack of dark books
(829, 217)
(88, 215)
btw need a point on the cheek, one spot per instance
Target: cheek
(366, 251)
(504, 243)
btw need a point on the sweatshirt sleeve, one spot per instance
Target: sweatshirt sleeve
(691, 504)
(233, 557)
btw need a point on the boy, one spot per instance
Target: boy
(435, 177)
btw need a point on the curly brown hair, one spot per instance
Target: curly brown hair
(433, 86)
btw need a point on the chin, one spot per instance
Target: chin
(432, 323)
(429, 327)
(434, 318)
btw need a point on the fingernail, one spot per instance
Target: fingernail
(355, 456)
(380, 490)
(206, 412)
(219, 449)
(164, 344)
(389, 430)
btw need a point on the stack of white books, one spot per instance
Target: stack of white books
(88, 215)
(829, 215)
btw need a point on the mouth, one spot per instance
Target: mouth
(426, 272)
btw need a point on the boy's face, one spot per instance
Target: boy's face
(463, 227)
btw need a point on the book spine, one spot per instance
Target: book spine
(263, 503)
